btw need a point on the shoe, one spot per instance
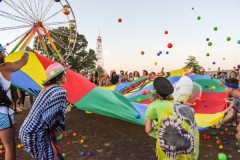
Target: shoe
(216, 126)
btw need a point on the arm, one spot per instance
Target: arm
(230, 114)
(15, 66)
(148, 126)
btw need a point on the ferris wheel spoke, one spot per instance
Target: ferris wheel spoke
(19, 36)
(49, 6)
(15, 27)
(17, 10)
(16, 7)
(41, 10)
(56, 23)
(13, 17)
(52, 15)
(56, 39)
(65, 34)
(30, 7)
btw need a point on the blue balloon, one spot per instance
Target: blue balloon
(137, 116)
(167, 52)
(238, 41)
(213, 63)
(82, 153)
(160, 52)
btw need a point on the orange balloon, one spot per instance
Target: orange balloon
(119, 20)
(142, 52)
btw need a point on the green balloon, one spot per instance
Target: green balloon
(198, 17)
(93, 72)
(222, 156)
(64, 155)
(215, 28)
(228, 38)
(209, 43)
(207, 54)
(139, 100)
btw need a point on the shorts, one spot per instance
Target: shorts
(4, 121)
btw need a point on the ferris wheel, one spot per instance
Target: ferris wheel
(36, 21)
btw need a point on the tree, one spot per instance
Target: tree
(192, 62)
(78, 59)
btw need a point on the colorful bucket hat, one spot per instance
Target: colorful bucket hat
(53, 70)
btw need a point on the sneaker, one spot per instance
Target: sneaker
(216, 126)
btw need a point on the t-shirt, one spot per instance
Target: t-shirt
(236, 105)
(177, 134)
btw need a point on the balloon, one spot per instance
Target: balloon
(213, 63)
(119, 20)
(228, 38)
(207, 54)
(139, 100)
(207, 39)
(144, 93)
(209, 43)
(160, 52)
(155, 63)
(166, 32)
(238, 41)
(82, 153)
(223, 58)
(167, 52)
(222, 156)
(64, 155)
(215, 28)
(192, 8)
(89, 153)
(137, 116)
(198, 18)
(142, 52)
(169, 45)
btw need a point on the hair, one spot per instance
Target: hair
(55, 80)
(233, 72)
(145, 72)
(156, 96)
(232, 81)
(1, 58)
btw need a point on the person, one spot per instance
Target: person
(46, 116)
(174, 123)
(104, 80)
(21, 101)
(114, 78)
(83, 73)
(232, 87)
(7, 130)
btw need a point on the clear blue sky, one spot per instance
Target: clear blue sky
(143, 26)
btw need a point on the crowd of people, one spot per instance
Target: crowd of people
(113, 78)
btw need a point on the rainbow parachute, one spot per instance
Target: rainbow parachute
(121, 101)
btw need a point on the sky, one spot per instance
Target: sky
(142, 29)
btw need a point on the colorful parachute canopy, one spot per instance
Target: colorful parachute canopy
(85, 95)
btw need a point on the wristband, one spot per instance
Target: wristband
(26, 52)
